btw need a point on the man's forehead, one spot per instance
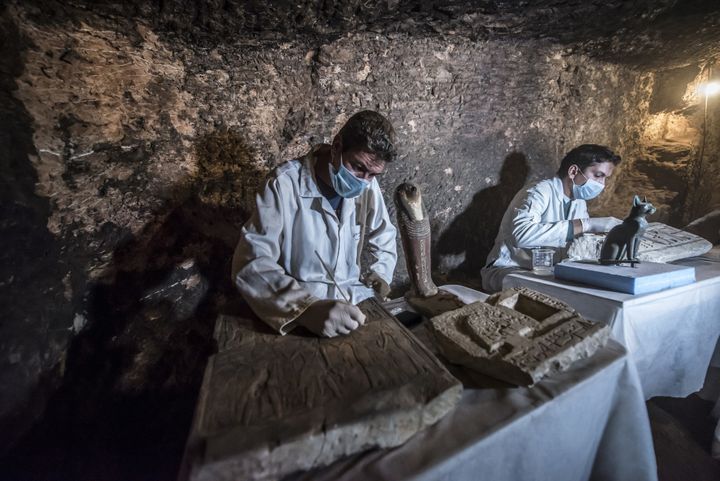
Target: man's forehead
(604, 167)
(371, 161)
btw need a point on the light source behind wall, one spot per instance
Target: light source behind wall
(709, 89)
(696, 206)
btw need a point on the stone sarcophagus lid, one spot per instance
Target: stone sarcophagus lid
(272, 405)
(517, 335)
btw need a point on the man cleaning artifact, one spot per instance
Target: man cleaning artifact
(551, 213)
(298, 260)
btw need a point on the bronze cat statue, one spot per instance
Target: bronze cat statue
(621, 243)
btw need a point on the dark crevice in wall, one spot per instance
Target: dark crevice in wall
(670, 86)
(36, 309)
(131, 377)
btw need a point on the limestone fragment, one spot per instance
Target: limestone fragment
(659, 243)
(271, 405)
(517, 335)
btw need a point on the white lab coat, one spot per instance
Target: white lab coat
(275, 267)
(535, 218)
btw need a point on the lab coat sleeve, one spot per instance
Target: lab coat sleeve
(276, 297)
(582, 212)
(529, 230)
(381, 237)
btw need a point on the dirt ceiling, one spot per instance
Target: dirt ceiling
(649, 34)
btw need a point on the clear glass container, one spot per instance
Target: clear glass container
(542, 261)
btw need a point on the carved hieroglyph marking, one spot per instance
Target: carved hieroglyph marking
(271, 405)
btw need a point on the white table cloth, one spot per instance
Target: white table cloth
(588, 423)
(671, 334)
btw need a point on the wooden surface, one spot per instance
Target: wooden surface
(271, 405)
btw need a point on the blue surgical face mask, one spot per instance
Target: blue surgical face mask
(589, 190)
(345, 183)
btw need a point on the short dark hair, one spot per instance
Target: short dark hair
(586, 155)
(371, 132)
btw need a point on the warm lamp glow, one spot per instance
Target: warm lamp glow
(710, 88)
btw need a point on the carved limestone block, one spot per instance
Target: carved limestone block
(271, 405)
(659, 243)
(517, 335)
(663, 243)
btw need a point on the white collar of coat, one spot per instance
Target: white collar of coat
(560, 189)
(308, 184)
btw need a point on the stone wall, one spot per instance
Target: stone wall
(677, 165)
(704, 173)
(131, 158)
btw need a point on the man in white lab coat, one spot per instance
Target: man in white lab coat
(298, 255)
(551, 213)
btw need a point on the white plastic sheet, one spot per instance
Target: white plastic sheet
(671, 335)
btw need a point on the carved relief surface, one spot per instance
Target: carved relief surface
(663, 243)
(271, 405)
(517, 335)
(659, 243)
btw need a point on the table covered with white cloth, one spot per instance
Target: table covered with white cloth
(671, 334)
(589, 422)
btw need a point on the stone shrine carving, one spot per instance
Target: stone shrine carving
(517, 335)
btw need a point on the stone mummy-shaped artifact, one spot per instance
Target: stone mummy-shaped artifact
(517, 335)
(415, 233)
(414, 227)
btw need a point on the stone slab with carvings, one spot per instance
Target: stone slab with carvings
(271, 405)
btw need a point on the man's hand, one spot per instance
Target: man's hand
(599, 224)
(329, 318)
(377, 284)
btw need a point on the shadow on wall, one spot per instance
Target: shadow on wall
(132, 377)
(473, 232)
(707, 226)
(35, 312)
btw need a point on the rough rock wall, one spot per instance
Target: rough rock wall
(677, 166)
(703, 194)
(132, 158)
(647, 33)
(476, 120)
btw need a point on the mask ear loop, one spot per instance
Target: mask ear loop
(581, 173)
(332, 149)
(340, 165)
